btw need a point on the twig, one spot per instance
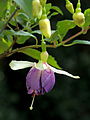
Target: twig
(72, 37)
(83, 31)
(9, 53)
(5, 25)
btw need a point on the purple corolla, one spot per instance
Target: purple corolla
(40, 81)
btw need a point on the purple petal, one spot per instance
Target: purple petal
(47, 79)
(33, 80)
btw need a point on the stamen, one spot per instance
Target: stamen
(31, 107)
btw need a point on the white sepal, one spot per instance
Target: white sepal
(63, 72)
(16, 65)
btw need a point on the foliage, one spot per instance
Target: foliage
(11, 32)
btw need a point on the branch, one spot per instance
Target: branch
(83, 31)
(72, 37)
(9, 53)
(5, 25)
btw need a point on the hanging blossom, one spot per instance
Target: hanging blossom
(40, 78)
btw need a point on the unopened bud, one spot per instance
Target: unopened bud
(44, 56)
(78, 16)
(69, 6)
(36, 9)
(45, 27)
(43, 2)
(79, 19)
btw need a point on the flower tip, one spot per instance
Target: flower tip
(77, 77)
(11, 64)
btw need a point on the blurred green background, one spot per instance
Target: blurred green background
(69, 99)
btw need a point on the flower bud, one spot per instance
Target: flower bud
(78, 16)
(43, 2)
(45, 28)
(79, 19)
(44, 56)
(69, 6)
(36, 9)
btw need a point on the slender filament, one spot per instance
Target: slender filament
(31, 107)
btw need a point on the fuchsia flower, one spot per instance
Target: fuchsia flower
(40, 79)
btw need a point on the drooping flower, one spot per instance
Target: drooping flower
(40, 78)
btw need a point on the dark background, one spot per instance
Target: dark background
(69, 99)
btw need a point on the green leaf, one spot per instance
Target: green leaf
(64, 26)
(5, 41)
(8, 40)
(22, 35)
(53, 14)
(22, 19)
(48, 7)
(22, 39)
(13, 22)
(36, 55)
(32, 53)
(3, 46)
(1, 24)
(57, 9)
(3, 6)
(53, 62)
(26, 5)
(55, 36)
(37, 31)
(87, 17)
(11, 10)
(78, 42)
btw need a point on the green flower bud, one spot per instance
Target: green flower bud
(36, 9)
(44, 56)
(43, 2)
(45, 27)
(79, 19)
(78, 16)
(69, 6)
